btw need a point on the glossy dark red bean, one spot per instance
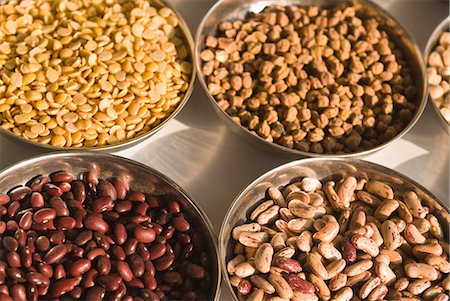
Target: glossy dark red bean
(19, 193)
(143, 252)
(2, 227)
(89, 278)
(4, 289)
(64, 186)
(168, 232)
(45, 269)
(121, 188)
(118, 253)
(18, 292)
(111, 282)
(13, 259)
(150, 296)
(143, 235)
(9, 243)
(181, 224)
(79, 215)
(59, 272)
(11, 226)
(119, 293)
(135, 283)
(4, 199)
(141, 208)
(103, 265)
(124, 270)
(96, 223)
(95, 293)
(57, 237)
(55, 254)
(26, 220)
(164, 262)
(83, 237)
(78, 252)
(38, 278)
(123, 206)
(62, 286)
(61, 176)
(3, 210)
(149, 281)
(102, 204)
(42, 243)
(174, 207)
(80, 267)
(65, 223)
(183, 238)
(120, 234)
(21, 237)
(37, 200)
(37, 182)
(157, 250)
(195, 271)
(78, 190)
(94, 253)
(59, 206)
(171, 277)
(32, 292)
(130, 246)
(44, 215)
(76, 293)
(152, 202)
(5, 297)
(15, 274)
(137, 265)
(135, 196)
(149, 267)
(13, 208)
(105, 188)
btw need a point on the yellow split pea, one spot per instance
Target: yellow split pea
(84, 73)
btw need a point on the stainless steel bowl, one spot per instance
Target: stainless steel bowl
(237, 9)
(139, 177)
(323, 169)
(431, 44)
(130, 142)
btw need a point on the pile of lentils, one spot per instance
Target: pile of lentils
(321, 80)
(93, 239)
(85, 73)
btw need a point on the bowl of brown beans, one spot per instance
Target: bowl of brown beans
(99, 227)
(437, 56)
(91, 74)
(334, 229)
(339, 78)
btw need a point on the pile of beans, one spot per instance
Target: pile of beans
(90, 239)
(439, 75)
(352, 239)
(321, 80)
(85, 73)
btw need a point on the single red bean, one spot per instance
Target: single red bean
(157, 228)
(78, 190)
(118, 253)
(144, 235)
(61, 176)
(26, 220)
(102, 204)
(348, 251)
(44, 215)
(57, 237)
(105, 188)
(135, 283)
(5, 297)
(130, 246)
(157, 250)
(174, 207)
(43, 290)
(151, 296)
(59, 272)
(76, 293)
(149, 281)
(65, 223)
(59, 206)
(9, 243)
(141, 209)
(38, 278)
(120, 187)
(94, 253)
(95, 293)
(102, 241)
(30, 241)
(52, 189)
(2, 227)
(62, 286)
(96, 223)
(42, 243)
(4, 199)
(195, 271)
(135, 196)
(149, 267)
(15, 274)
(89, 278)
(124, 270)
(138, 219)
(11, 226)
(18, 292)
(32, 292)
(181, 224)
(13, 208)
(55, 254)
(65, 187)
(164, 262)
(111, 282)
(67, 196)
(13, 259)
(103, 265)
(171, 277)
(4, 289)
(37, 182)
(19, 193)
(183, 238)
(123, 206)
(37, 200)
(80, 267)
(3, 210)
(137, 265)
(45, 269)
(21, 237)
(143, 251)
(119, 293)
(120, 234)
(79, 215)
(83, 237)
(163, 218)
(168, 232)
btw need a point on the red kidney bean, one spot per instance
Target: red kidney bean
(120, 234)
(135, 283)
(9, 243)
(186, 252)
(135, 196)
(4, 289)
(95, 293)
(65, 223)
(102, 241)
(195, 271)
(13, 259)
(150, 296)
(78, 215)
(59, 206)
(124, 270)
(11, 226)
(149, 267)
(130, 246)
(118, 253)
(26, 257)
(38, 278)
(37, 182)
(32, 292)
(19, 193)
(59, 272)
(171, 277)
(37, 200)
(18, 292)
(89, 278)
(78, 190)
(105, 188)
(183, 238)
(145, 235)
(13, 208)
(143, 251)
(121, 188)
(153, 202)
(21, 237)
(164, 262)
(4, 199)
(42, 243)
(83, 237)
(55, 254)
(5, 297)
(26, 220)
(141, 209)
(57, 237)
(123, 206)
(111, 282)
(44, 215)
(181, 224)
(62, 286)
(15, 274)
(43, 289)
(52, 189)
(103, 265)
(119, 293)
(64, 186)
(102, 204)
(168, 232)
(174, 207)
(76, 293)
(149, 281)
(79, 267)
(61, 176)
(45, 269)
(96, 223)
(157, 250)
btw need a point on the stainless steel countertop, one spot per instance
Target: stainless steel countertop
(213, 164)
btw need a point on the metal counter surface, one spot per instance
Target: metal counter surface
(213, 164)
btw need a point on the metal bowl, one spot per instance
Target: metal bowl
(323, 169)
(139, 177)
(130, 142)
(432, 42)
(236, 9)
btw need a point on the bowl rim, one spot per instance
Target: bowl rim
(432, 42)
(129, 162)
(188, 38)
(223, 234)
(299, 154)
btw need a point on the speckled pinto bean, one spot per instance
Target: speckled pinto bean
(92, 239)
(365, 240)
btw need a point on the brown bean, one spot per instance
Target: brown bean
(37, 182)
(195, 271)
(149, 281)
(26, 257)
(44, 215)
(145, 235)
(26, 220)
(59, 272)
(45, 269)
(13, 259)
(124, 270)
(79, 190)
(95, 293)
(61, 176)
(19, 193)
(52, 189)
(164, 262)
(89, 278)
(96, 223)
(55, 254)
(180, 224)
(65, 223)
(120, 234)
(10, 244)
(59, 206)
(38, 279)
(135, 196)
(103, 265)
(79, 267)
(157, 250)
(102, 204)
(62, 286)
(106, 189)
(42, 243)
